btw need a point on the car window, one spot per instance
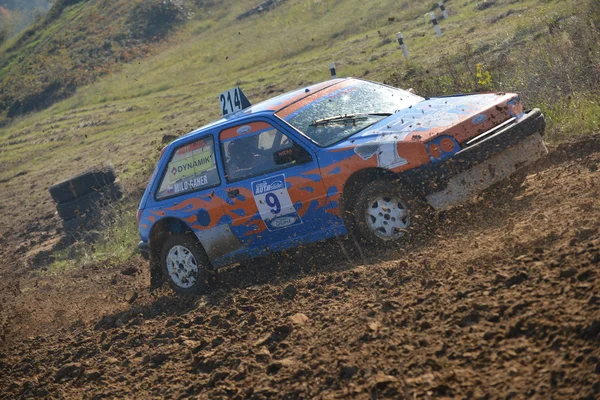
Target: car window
(192, 167)
(257, 153)
(331, 115)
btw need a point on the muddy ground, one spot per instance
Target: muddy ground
(500, 300)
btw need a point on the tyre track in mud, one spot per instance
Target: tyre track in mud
(499, 300)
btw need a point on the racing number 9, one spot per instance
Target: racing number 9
(273, 201)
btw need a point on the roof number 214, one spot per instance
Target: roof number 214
(230, 101)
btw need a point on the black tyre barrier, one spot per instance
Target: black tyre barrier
(81, 184)
(92, 201)
(82, 222)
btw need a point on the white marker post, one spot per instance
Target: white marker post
(444, 12)
(438, 31)
(402, 45)
(332, 70)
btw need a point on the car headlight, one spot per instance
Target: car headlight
(515, 108)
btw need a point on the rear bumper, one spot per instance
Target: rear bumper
(492, 157)
(144, 249)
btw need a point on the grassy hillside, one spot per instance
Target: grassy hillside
(76, 42)
(548, 50)
(16, 15)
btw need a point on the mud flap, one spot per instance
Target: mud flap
(463, 186)
(156, 275)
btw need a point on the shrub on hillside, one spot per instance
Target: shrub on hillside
(204, 3)
(155, 18)
(565, 59)
(558, 71)
(58, 7)
(595, 14)
(3, 34)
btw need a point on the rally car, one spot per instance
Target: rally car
(342, 157)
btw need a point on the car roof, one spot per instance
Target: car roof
(284, 100)
(269, 106)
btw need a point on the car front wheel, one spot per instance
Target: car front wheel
(385, 213)
(185, 264)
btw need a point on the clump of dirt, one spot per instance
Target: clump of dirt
(499, 300)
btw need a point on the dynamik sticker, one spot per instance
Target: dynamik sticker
(274, 204)
(190, 166)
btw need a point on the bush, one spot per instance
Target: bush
(3, 34)
(58, 6)
(155, 18)
(595, 14)
(558, 71)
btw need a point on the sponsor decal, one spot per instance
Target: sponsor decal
(242, 130)
(386, 151)
(190, 166)
(282, 222)
(478, 119)
(189, 184)
(274, 204)
(285, 152)
(264, 186)
(192, 146)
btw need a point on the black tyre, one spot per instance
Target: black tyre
(91, 201)
(386, 213)
(82, 222)
(185, 265)
(79, 206)
(82, 183)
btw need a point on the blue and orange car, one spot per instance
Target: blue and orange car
(342, 157)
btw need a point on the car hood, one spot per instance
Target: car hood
(461, 116)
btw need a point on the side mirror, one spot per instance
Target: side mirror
(291, 154)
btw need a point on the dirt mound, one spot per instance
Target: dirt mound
(500, 300)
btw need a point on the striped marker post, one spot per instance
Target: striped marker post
(332, 70)
(444, 12)
(401, 43)
(438, 31)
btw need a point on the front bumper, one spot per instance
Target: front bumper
(494, 157)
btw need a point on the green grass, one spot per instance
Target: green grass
(114, 245)
(174, 89)
(572, 117)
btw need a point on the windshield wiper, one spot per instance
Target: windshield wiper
(346, 118)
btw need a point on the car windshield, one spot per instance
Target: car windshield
(345, 109)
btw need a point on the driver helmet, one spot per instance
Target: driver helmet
(241, 152)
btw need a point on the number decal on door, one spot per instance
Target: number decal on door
(274, 203)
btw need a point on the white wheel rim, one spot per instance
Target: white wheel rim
(182, 267)
(387, 217)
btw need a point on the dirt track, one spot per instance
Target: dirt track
(502, 300)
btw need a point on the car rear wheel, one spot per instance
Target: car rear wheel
(386, 213)
(185, 265)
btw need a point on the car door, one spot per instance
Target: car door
(273, 185)
(187, 191)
